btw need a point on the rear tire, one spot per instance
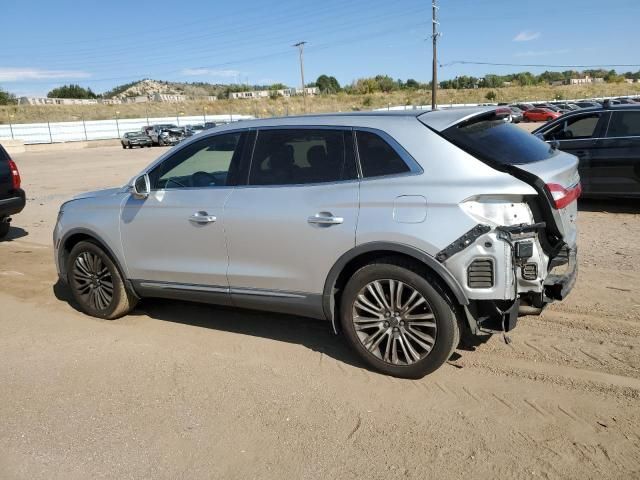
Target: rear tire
(411, 344)
(124, 146)
(96, 283)
(4, 228)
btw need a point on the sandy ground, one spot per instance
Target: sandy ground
(179, 390)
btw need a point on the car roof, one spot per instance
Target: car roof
(613, 108)
(437, 119)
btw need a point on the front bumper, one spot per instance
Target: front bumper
(14, 204)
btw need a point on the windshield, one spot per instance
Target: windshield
(494, 139)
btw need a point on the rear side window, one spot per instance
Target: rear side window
(491, 138)
(377, 157)
(302, 156)
(624, 124)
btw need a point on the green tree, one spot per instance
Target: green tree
(71, 91)
(327, 84)
(411, 83)
(7, 98)
(385, 83)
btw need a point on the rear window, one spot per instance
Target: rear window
(488, 137)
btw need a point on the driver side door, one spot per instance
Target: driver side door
(173, 240)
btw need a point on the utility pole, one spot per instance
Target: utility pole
(434, 74)
(300, 46)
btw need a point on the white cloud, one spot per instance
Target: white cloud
(542, 53)
(526, 36)
(11, 74)
(201, 72)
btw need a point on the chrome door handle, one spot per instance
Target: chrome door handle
(325, 218)
(202, 218)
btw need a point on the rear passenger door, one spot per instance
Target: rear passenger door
(391, 201)
(617, 170)
(293, 219)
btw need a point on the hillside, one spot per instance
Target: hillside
(282, 106)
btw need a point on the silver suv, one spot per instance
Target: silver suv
(405, 231)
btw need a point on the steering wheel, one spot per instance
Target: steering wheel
(202, 179)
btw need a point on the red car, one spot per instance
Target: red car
(540, 115)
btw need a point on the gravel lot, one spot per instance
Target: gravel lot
(179, 390)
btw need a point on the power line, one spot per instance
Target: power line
(465, 62)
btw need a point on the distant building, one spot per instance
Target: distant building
(136, 99)
(169, 98)
(556, 83)
(56, 101)
(630, 80)
(585, 80)
(285, 92)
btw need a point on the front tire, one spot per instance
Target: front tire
(398, 320)
(96, 283)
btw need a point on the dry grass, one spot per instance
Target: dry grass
(281, 106)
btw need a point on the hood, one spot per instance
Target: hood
(98, 193)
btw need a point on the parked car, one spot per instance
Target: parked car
(626, 101)
(209, 125)
(194, 129)
(540, 115)
(12, 197)
(166, 134)
(607, 143)
(567, 107)
(587, 104)
(146, 130)
(516, 114)
(548, 106)
(438, 224)
(522, 106)
(135, 139)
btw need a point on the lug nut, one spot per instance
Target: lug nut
(386, 324)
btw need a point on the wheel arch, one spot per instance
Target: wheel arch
(363, 254)
(77, 235)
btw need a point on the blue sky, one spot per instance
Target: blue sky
(103, 44)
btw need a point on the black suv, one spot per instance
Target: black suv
(12, 197)
(607, 142)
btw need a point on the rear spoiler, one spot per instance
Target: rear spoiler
(440, 120)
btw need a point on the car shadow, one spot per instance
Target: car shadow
(14, 234)
(611, 205)
(314, 334)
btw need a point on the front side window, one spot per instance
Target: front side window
(301, 156)
(210, 162)
(624, 124)
(577, 127)
(377, 157)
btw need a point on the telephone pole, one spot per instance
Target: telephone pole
(434, 69)
(300, 46)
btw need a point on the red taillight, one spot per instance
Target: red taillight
(15, 174)
(564, 196)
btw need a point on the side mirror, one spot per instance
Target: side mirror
(141, 187)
